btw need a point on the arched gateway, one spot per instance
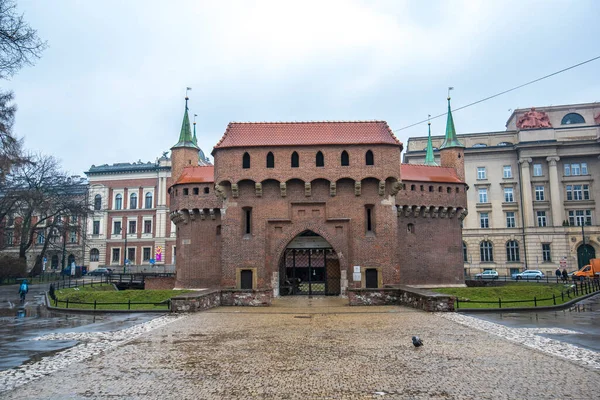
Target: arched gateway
(309, 266)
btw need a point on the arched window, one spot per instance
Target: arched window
(246, 161)
(345, 159)
(476, 145)
(320, 159)
(572, 118)
(54, 262)
(512, 251)
(118, 202)
(486, 251)
(133, 201)
(295, 160)
(270, 160)
(148, 202)
(97, 202)
(410, 228)
(94, 255)
(369, 158)
(464, 247)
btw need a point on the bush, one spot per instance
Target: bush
(12, 267)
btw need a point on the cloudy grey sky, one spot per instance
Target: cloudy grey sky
(110, 87)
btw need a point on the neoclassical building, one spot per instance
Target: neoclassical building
(315, 208)
(533, 190)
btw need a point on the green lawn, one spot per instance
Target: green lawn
(106, 293)
(514, 291)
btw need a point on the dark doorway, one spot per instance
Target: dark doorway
(246, 279)
(371, 281)
(584, 254)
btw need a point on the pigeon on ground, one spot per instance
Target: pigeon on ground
(416, 341)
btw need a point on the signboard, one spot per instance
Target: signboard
(563, 263)
(158, 255)
(356, 277)
(357, 269)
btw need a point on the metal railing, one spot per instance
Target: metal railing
(578, 289)
(96, 304)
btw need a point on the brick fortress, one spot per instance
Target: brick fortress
(299, 207)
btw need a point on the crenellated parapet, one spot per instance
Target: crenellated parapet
(196, 214)
(430, 211)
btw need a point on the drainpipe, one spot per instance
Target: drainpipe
(522, 212)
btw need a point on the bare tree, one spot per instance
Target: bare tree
(45, 202)
(19, 46)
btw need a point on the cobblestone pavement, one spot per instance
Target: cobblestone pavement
(301, 349)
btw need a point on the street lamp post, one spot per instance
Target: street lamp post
(125, 253)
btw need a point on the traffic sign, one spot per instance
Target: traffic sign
(152, 261)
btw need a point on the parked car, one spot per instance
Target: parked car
(489, 274)
(100, 271)
(529, 274)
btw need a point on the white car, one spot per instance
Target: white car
(529, 275)
(489, 274)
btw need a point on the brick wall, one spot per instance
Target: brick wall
(159, 283)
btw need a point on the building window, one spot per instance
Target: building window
(206, 190)
(481, 174)
(572, 118)
(295, 160)
(537, 169)
(9, 238)
(483, 195)
(116, 227)
(484, 220)
(370, 217)
(510, 219)
(320, 161)
(97, 202)
(133, 201)
(486, 251)
(186, 192)
(345, 159)
(73, 236)
(246, 161)
(512, 251)
(509, 195)
(464, 249)
(270, 160)
(218, 230)
(132, 226)
(247, 220)
(96, 228)
(94, 255)
(196, 191)
(576, 169)
(148, 200)
(40, 237)
(369, 158)
(539, 193)
(546, 252)
(541, 218)
(116, 255)
(147, 226)
(578, 192)
(118, 202)
(131, 255)
(146, 253)
(580, 217)
(507, 171)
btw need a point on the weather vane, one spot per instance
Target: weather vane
(195, 115)
(449, 89)
(187, 89)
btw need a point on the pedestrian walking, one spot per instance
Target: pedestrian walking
(23, 289)
(558, 274)
(565, 275)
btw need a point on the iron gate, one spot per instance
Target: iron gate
(309, 272)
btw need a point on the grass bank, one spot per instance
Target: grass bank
(120, 299)
(523, 292)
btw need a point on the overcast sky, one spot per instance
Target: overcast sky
(111, 86)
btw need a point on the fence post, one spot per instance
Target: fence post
(576, 289)
(499, 302)
(67, 302)
(94, 304)
(56, 302)
(129, 304)
(562, 296)
(457, 303)
(553, 298)
(534, 301)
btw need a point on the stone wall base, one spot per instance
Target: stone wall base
(420, 299)
(204, 299)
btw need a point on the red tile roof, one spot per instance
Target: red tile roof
(426, 173)
(251, 134)
(200, 174)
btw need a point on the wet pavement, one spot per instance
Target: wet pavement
(583, 317)
(16, 346)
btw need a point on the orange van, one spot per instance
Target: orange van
(592, 270)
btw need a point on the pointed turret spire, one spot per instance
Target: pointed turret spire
(450, 140)
(429, 159)
(185, 137)
(195, 138)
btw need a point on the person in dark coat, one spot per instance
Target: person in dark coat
(565, 275)
(558, 274)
